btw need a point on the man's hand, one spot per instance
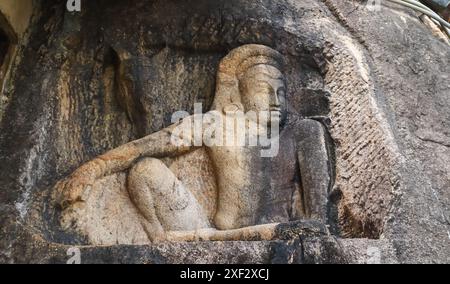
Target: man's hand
(76, 187)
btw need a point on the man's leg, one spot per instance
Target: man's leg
(163, 200)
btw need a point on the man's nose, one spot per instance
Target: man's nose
(275, 100)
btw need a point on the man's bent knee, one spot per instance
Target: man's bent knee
(151, 173)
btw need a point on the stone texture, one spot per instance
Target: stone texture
(385, 76)
(18, 14)
(15, 17)
(416, 111)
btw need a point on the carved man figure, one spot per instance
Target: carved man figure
(250, 79)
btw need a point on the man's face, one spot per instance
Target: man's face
(263, 90)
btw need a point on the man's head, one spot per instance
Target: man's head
(262, 89)
(250, 78)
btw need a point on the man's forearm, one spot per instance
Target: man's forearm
(117, 160)
(157, 145)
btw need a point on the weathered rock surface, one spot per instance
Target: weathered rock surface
(17, 14)
(385, 76)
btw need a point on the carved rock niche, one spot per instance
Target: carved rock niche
(326, 82)
(99, 83)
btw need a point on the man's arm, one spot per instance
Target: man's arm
(315, 169)
(158, 145)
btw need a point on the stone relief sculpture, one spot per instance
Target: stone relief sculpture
(77, 85)
(250, 79)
